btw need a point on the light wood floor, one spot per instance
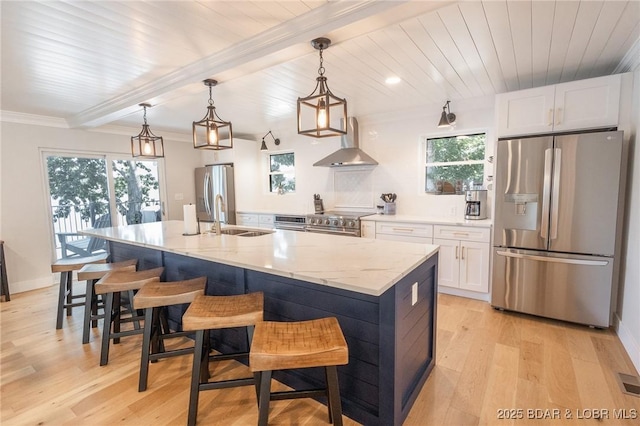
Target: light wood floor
(487, 361)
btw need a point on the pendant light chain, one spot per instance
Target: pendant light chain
(144, 114)
(210, 96)
(321, 69)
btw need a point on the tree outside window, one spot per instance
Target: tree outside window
(453, 163)
(282, 177)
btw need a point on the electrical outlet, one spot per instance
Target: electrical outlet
(179, 196)
(452, 211)
(414, 294)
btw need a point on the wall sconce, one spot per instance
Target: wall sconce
(146, 144)
(276, 141)
(315, 111)
(211, 131)
(448, 118)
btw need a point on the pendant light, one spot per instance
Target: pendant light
(264, 144)
(146, 144)
(212, 132)
(447, 118)
(321, 108)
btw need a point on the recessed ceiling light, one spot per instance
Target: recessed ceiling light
(393, 80)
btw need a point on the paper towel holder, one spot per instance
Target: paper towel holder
(197, 232)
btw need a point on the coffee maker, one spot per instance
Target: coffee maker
(476, 204)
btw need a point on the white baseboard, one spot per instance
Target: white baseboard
(463, 293)
(22, 286)
(628, 341)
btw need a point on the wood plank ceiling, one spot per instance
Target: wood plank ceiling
(91, 63)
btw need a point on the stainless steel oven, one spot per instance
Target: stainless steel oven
(336, 223)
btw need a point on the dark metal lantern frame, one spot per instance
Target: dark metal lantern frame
(321, 101)
(208, 132)
(146, 144)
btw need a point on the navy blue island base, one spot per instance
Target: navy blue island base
(391, 337)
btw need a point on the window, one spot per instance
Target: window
(282, 177)
(453, 163)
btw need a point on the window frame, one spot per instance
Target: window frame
(424, 164)
(268, 156)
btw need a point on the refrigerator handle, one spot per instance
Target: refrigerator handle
(555, 193)
(553, 259)
(207, 205)
(546, 189)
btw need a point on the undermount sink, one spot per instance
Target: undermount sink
(233, 231)
(244, 232)
(254, 233)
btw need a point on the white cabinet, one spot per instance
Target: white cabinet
(463, 258)
(404, 231)
(265, 221)
(255, 220)
(247, 219)
(576, 105)
(367, 229)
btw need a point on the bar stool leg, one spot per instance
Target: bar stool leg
(264, 399)
(106, 329)
(146, 344)
(333, 400)
(61, 298)
(69, 293)
(196, 375)
(88, 310)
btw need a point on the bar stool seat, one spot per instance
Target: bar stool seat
(111, 286)
(302, 344)
(66, 266)
(91, 273)
(154, 297)
(215, 312)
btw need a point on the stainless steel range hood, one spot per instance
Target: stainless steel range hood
(349, 154)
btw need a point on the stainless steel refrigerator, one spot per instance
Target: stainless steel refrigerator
(211, 182)
(555, 225)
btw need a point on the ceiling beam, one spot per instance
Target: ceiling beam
(315, 23)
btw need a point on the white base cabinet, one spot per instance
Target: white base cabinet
(255, 220)
(405, 231)
(464, 257)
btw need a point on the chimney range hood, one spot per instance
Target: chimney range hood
(349, 154)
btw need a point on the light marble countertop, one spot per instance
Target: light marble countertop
(363, 265)
(483, 223)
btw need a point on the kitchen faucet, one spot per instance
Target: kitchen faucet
(218, 205)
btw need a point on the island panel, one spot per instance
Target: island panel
(391, 340)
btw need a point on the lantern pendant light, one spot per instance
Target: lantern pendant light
(318, 112)
(212, 132)
(146, 144)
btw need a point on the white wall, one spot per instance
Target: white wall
(628, 312)
(25, 227)
(394, 140)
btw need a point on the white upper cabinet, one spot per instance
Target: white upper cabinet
(576, 105)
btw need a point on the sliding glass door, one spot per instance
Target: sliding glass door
(98, 191)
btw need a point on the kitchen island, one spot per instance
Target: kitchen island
(382, 292)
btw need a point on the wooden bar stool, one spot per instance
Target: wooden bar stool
(215, 312)
(303, 344)
(4, 282)
(154, 297)
(111, 286)
(92, 273)
(66, 266)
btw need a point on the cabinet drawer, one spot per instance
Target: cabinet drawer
(462, 233)
(247, 219)
(266, 219)
(404, 229)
